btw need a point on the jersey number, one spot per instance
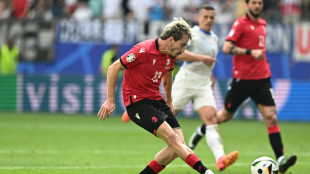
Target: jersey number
(157, 76)
(261, 41)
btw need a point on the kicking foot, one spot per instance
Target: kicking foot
(226, 160)
(284, 164)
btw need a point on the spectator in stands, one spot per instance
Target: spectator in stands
(41, 10)
(141, 16)
(290, 10)
(9, 55)
(305, 10)
(96, 8)
(4, 11)
(58, 8)
(20, 8)
(186, 9)
(108, 57)
(111, 9)
(157, 11)
(225, 11)
(69, 8)
(82, 12)
(271, 12)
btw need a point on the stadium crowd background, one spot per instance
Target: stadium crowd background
(275, 11)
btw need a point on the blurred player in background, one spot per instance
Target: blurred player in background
(251, 77)
(108, 57)
(194, 83)
(146, 65)
(9, 58)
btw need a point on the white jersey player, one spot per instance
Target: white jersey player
(195, 76)
(194, 83)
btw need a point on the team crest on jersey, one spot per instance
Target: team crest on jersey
(231, 33)
(168, 61)
(130, 57)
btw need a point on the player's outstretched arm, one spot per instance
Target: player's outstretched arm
(109, 105)
(230, 48)
(190, 56)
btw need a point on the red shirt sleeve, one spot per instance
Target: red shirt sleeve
(132, 57)
(235, 31)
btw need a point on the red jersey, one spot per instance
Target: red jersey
(145, 66)
(249, 34)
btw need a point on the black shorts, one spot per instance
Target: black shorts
(150, 114)
(260, 92)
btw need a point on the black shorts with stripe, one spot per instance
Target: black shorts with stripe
(260, 92)
(150, 114)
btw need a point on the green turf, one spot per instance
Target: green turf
(64, 144)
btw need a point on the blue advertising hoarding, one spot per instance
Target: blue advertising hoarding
(85, 94)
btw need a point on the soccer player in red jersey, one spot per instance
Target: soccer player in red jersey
(145, 65)
(251, 77)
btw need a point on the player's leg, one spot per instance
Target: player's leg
(166, 133)
(167, 155)
(234, 97)
(213, 138)
(151, 115)
(270, 119)
(263, 97)
(196, 136)
(239, 91)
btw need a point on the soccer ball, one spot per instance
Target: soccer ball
(264, 165)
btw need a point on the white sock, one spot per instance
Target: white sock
(198, 130)
(214, 141)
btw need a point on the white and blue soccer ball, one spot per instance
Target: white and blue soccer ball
(264, 165)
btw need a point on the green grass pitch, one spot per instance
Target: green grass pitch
(37, 143)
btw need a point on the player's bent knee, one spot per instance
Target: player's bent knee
(271, 119)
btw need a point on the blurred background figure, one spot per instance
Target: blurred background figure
(96, 8)
(225, 11)
(82, 12)
(272, 12)
(9, 57)
(108, 57)
(69, 7)
(290, 10)
(4, 10)
(187, 9)
(20, 8)
(58, 8)
(111, 9)
(305, 10)
(41, 10)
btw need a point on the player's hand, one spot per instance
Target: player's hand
(106, 110)
(258, 54)
(208, 61)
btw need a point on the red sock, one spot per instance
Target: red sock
(191, 159)
(155, 166)
(273, 129)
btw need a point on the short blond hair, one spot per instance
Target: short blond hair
(177, 28)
